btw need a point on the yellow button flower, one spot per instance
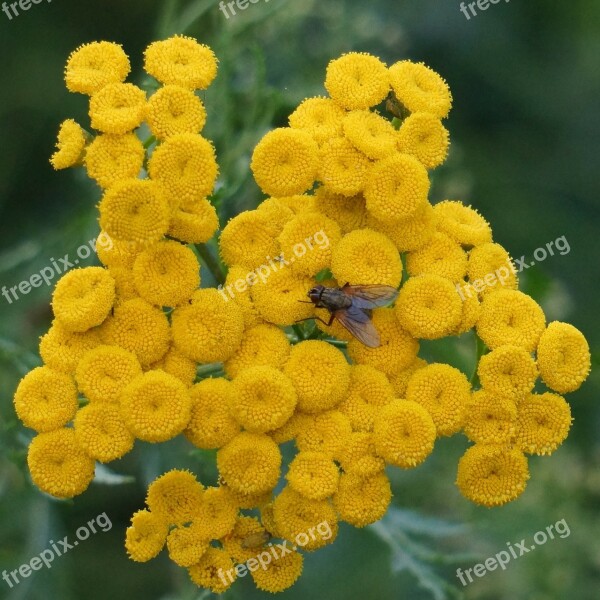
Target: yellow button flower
(111, 158)
(102, 433)
(404, 434)
(359, 455)
(246, 540)
(218, 513)
(249, 240)
(285, 162)
(563, 357)
(62, 349)
(471, 311)
(357, 80)
(349, 212)
(508, 371)
(117, 108)
(342, 168)
(251, 501)
(155, 406)
(104, 371)
(174, 109)
(409, 234)
(263, 345)
(320, 375)
(211, 424)
(543, 423)
(444, 392)
(177, 364)
(45, 399)
(118, 253)
(420, 89)
(510, 317)
(370, 133)
(146, 536)
(58, 464)
(398, 348)
(307, 241)
(181, 60)
(83, 298)
(250, 463)
(134, 210)
(267, 520)
(364, 257)
(492, 475)
(490, 418)
(360, 500)
(186, 166)
(210, 329)
(429, 307)
(400, 379)
(369, 390)
(396, 187)
(463, 223)
(290, 429)
(440, 256)
(95, 65)
(277, 213)
(70, 145)
(314, 475)
(320, 117)
(205, 573)
(124, 287)
(491, 269)
(186, 545)
(263, 399)
(327, 432)
(166, 273)
(140, 328)
(242, 298)
(194, 223)
(280, 574)
(298, 202)
(277, 298)
(423, 136)
(176, 496)
(295, 515)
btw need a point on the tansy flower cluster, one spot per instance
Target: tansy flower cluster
(121, 357)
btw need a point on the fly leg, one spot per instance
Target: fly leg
(331, 318)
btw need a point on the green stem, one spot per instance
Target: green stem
(480, 350)
(204, 371)
(211, 263)
(149, 142)
(396, 122)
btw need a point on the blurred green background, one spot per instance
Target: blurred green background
(525, 128)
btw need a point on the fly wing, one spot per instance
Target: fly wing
(359, 324)
(371, 296)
